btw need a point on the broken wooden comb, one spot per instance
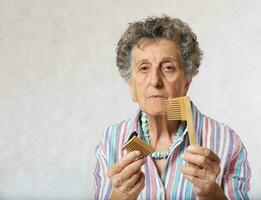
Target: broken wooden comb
(180, 109)
(136, 143)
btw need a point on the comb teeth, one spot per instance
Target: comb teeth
(180, 109)
(176, 108)
(136, 143)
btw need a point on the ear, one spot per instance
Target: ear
(132, 90)
(187, 84)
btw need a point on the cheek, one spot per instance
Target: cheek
(175, 88)
(141, 79)
(140, 91)
(140, 85)
(174, 92)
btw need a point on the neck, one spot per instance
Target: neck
(160, 127)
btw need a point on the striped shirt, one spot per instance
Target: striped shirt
(234, 177)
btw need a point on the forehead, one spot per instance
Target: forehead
(146, 49)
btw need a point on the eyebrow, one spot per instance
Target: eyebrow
(168, 59)
(141, 61)
(163, 60)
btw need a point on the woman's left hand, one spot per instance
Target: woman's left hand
(202, 172)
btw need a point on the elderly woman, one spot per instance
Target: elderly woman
(158, 57)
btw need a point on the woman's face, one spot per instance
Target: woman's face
(157, 74)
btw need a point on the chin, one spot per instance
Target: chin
(155, 112)
(154, 109)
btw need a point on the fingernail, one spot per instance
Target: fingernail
(137, 153)
(189, 148)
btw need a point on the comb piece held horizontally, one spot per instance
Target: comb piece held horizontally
(180, 109)
(136, 143)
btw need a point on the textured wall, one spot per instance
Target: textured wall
(59, 84)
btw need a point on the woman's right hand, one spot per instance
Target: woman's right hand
(126, 177)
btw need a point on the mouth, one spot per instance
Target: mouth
(157, 97)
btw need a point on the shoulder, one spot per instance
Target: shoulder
(116, 132)
(220, 133)
(212, 133)
(114, 137)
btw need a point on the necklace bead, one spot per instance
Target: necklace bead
(160, 154)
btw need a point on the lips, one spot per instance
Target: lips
(156, 97)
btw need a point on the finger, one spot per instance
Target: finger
(116, 180)
(120, 179)
(201, 187)
(196, 149)
(139, 184)
(133, 179)
(132, 168)
(129, 184)
(197, 182)
(122, 163)
(194, 165)
(194, 171)
(197, 159)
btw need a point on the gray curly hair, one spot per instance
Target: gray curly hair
(165, 27)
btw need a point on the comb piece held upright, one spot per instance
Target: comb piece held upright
(180, 109)
(136, 143)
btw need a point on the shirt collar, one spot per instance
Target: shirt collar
(134, 126)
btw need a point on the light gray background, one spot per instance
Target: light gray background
(59, 87)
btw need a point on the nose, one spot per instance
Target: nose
(156, 79)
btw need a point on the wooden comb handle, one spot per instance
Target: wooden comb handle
(190, 124)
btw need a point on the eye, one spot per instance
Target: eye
(168, 67)
(144, 68)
